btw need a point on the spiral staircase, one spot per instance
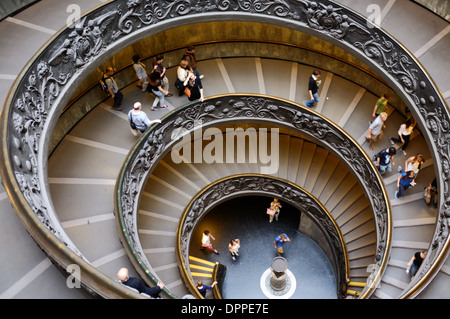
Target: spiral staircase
(83, 168)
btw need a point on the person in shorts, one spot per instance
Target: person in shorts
(279, 242)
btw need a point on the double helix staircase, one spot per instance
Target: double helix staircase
(83, 169)
(172, 185)
(86, 162)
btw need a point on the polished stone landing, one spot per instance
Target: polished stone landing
(245, 218)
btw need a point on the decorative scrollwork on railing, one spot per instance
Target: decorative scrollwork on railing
(331, 19)
(85, 42)
(244, 185)
(399, 65)
(28, 119)
(41, 90)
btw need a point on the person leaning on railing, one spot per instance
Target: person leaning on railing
(138, 284)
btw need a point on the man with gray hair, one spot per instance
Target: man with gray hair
(138, 284)
(139, 120)
(376, 129)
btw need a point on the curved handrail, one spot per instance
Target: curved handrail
(266, 185)
(47, 81)
(160, 139)
(216, 291)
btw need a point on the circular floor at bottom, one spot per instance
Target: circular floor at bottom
(245, 218)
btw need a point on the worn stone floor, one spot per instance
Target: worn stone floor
(245, 218)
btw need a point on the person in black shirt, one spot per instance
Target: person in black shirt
(157, 65)
(313, 88)
(155, 87)
(138, 284)
(415, 263)
(385, 159)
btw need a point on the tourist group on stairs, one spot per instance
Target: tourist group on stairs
(189, 82)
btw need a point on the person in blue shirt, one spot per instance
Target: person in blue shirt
(203, 288)
(385, 160)
(279, 242)
(404, 181)
(140, 119)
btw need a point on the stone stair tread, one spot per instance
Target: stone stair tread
(305, 162)
(366, 230)
(320, 157)
(362, 253)
(338, 176)
(422, 233)
(359, 213)
(295, 149)
(361, 263)
(325, 175)
(356, 194)
(340, 192)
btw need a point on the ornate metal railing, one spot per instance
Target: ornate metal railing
(262, 185)
(48, 81)
(155, 143)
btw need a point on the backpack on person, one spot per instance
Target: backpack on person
(103, 85)
(179, 85)
(130, 117)
(134, 129)
(375, 158)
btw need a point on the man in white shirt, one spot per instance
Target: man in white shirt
(140, 119)
(404, 134)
